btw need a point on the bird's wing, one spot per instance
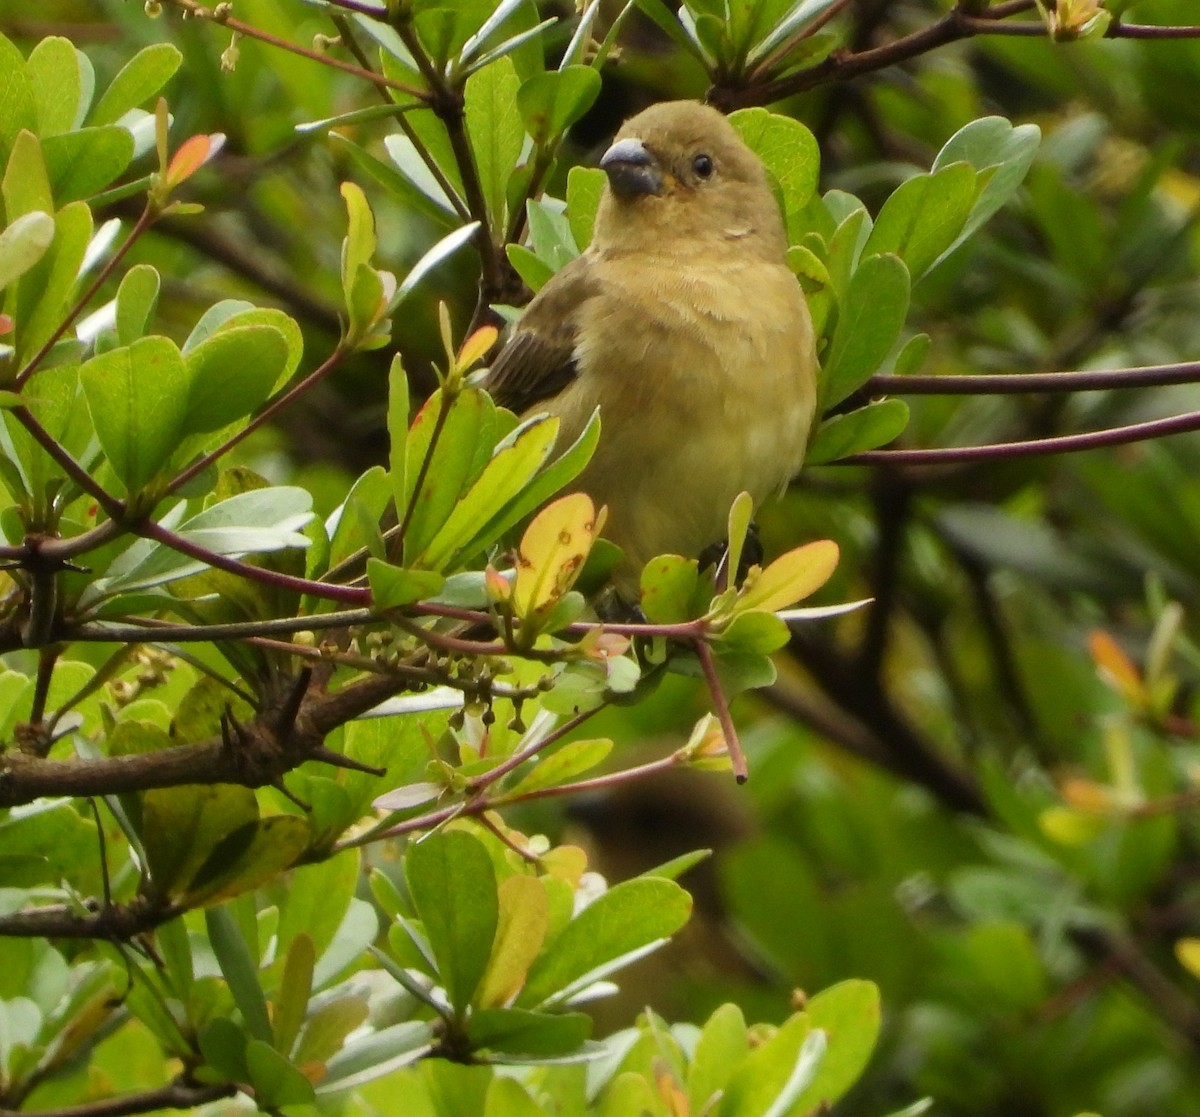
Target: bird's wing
(538, 361)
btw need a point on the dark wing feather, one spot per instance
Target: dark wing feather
(538, 361)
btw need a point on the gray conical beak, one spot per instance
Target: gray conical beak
(632, 171)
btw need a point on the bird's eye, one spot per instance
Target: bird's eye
(703, 166)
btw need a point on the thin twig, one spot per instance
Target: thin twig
(152, 631)
(199, 11)
(1020, 383)
(346, 594)
(733, 744)
(88, 484)
(1034, 447)
(265, 415)
(140, 226)
(1150, 31)
(842, 66)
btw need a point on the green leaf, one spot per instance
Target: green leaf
(565, 764)
(1004, 961)
(326, 1029)
(846, 244)
(550, 102)
(443, 250)
(397, 428)
(230, 374)
(18, 108)
(457, 436)
(721, 1047)
(138, 400)
(912, 356)
(180, 827)
(585, 185)
(295, 988)
(849, 1015)
(754, 632)
(276, 1082)
(26, 183)
(359, 245)
(534, 272)
(248, 858)
(524, 918)
(356, 522)
(137, 298)
(864, 428)
(870, 318)
(991, 142)
(84, 162)
(772, 1079)
(216, 316)
(396, 586)
(788, 150)
(923, 217)
(496, 133)
(453, 887)
(669, 585)
(138, 80)
(23, 244)
(223, 1045)
(414, 182)
(377, 1054)
(511, 468)
(44, 290)
(261, 520)
(550, 233)
(519, 1031)
(56, 81)
(556, 476)
(788, 23)
(631, 915)
(240, 971)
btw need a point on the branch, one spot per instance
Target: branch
(1034, 447)
(120, 922)
(180, 1094)
(254, 755)
(733, 744)
(1019, 383)
(150, 631)
(1150, 31)
(110, 265)
(272, 409)
(219, 17)
(842, 65)
(349, 595)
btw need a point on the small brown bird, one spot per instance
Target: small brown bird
(683, 324)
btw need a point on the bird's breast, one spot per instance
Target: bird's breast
(705, 382)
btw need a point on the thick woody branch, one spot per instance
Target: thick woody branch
(180, 1094)
(255, 755)
(120, 922)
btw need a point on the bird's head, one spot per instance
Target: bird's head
(680, 176)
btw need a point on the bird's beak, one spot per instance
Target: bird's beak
(632, 171)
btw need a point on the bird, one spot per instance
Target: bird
(682, 323)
